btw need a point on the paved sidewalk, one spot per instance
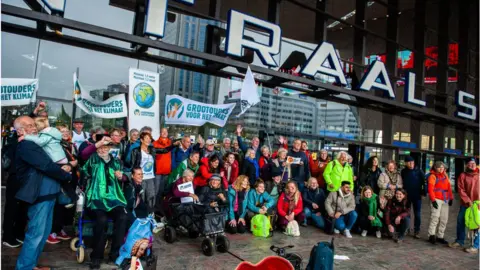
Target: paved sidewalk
(364, 253)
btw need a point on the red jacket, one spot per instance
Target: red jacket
(262, 161)
(468, 187)
(233, 173)
(163, 163)
(204, 173)
(439, 187)
(282, 205)
(317, 169)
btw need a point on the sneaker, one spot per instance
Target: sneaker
(455, 245)
(70, 205)
(442, 241)
(62, 235)
(304, 224)
(432, 239)
(379, 234)
(158, 227)
(471, 250)
(12, 244)
(347, 234)
(95, 264)
(336, 231)
(398, 240)
(416, 235)
(52, 239)
(364, 233)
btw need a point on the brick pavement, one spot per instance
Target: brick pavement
(365, 253)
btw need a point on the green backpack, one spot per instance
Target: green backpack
(260, 225)
(472, 216)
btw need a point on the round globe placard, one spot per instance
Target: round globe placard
(144, 95)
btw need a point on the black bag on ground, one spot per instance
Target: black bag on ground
(321, 256)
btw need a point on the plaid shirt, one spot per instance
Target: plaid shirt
(395, 209)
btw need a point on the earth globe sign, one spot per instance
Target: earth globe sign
(144, 95)
(148, 166)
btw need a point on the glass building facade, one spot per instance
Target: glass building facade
(408, 35)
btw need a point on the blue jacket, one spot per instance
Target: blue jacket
(414, 183)
(256, 200)
(38, 175)
(178, 155)
(314, 196)
(244, 148)
(232, 194)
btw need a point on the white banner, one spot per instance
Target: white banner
(17, 92)
(114, 107)
(143, 100)
(248, 94)
(183, 111)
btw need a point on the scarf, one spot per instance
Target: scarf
(392, 176)
(257, 169)
(372, 209)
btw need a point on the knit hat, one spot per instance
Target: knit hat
(215, 176)
(471, 159)
(409, 158)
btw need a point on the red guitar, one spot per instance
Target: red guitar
(268, 263)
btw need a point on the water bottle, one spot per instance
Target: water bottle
(80, 202)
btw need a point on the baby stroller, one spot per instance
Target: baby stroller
(198, 222)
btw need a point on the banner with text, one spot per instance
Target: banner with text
(114, 107)
(183, 111)
(17, 92)
(143, 100)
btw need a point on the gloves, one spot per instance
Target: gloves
(435, 204)
(450, 203)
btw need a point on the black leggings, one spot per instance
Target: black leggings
(240, 228)
(119, 216)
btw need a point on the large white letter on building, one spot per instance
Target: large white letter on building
(325, 60)
(236, 42)
(156, 17)
(471, 110)
(409, 96)
(377, 77)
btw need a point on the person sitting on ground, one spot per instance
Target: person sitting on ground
(317, 167)
(259, 202)
(134, 194)
(389, 181)
(213, 196)
(441, 197)
(250, 167)
(290, 206)
(191, 163)
(314, 203)
(368, 212)
(209, 167)
(105, 199)
(337, 171)
(397, 216)
(340, 205)
(275, 187)
(230, 168)
(237, 196)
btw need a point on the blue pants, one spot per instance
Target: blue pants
(318, 220)
(346, 222)
(416, 205)
(40, 217)
(461, 228)
(402, 228)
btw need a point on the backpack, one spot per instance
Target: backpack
(260, 226)
(292, 228)
(321, 256)
(472, 216)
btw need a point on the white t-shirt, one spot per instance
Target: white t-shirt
(147, 166)
(78, 139)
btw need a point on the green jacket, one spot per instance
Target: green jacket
(103, 190)
(335, 173)
(178, 172)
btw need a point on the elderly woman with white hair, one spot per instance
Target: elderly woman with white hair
(250, 166)
(226, 147)
(337, 171)
(280, 163)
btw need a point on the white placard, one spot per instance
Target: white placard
(186, 187)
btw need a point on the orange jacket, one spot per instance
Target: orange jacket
(163, 161)
(439, 187)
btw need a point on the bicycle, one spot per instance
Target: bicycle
(293, 258)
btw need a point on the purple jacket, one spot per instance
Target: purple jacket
(176, 192)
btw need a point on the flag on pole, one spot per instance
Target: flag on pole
(248, 94)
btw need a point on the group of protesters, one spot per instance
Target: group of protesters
(127, 176)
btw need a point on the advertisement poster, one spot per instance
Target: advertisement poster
(183, 111)
(114, 107)
(143, 100)
(16, 92)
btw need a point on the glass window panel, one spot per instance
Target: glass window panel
(425, 142)
(405, 137)
(396, 136)
(19, 55)
(452, 143)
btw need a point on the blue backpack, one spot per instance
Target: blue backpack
(321, 256)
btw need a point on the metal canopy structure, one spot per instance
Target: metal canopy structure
(318, 89)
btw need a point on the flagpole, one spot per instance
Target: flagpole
(74, 105)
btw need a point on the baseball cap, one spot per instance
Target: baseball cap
(209, 142)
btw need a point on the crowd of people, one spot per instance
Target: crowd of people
(128, 176)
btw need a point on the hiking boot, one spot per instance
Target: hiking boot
(347, 233)
(471, 250)
(62, 235)
(442, 241)
(95, 264)
(416, 235)
(432, 239)
(455, 245)
(12, 243)
(364, 233)
(379, 234)
(52, 239)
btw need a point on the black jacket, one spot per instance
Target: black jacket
(299, 172)
(369, 178)
(137, 156)
(314, 196)
(208, 195)
(248, 169)
(132, 192)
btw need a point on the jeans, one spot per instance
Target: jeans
(119, 216)
(148, 186)
(402, 227)
(346, 222)
(40, 217)
(417, 208)
(461, 228)
(318, 220)
(301, 185)
(160, 180)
